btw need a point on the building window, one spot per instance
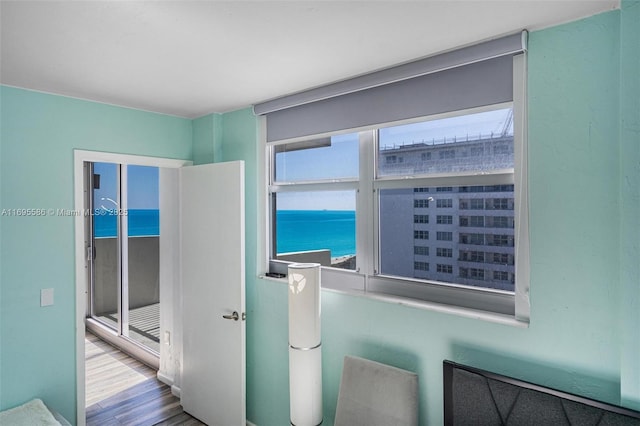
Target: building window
(477, 151)
(425, 156)
(420, 218)
(500, 276)
(501, 149)
(421, 235)
(420, 204)
(444, 252)
(499, 222)
(500, 240)
(444, 189)
(446, 203)
(447, 154)
(444, 219)
(421, 266)
(472, 256)
(475, 239)
(444, 269)
(474, 221)
(444, 236)
(477, 274)
(421, 250)
(499, 204)
(502, 258)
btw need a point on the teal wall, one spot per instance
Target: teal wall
(630, 202)
(207, 138)
(574, 342)
(39, 133)
(584, 169)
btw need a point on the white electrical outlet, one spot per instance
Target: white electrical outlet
(167, 338)
(46, 297)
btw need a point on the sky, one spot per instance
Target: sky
(340, 160)
(142, 188)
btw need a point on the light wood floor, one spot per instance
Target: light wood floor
(123, 391)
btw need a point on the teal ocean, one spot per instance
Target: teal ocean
(298, 230)
(141, 223)
(302, 230)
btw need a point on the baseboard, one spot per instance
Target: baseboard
(164, 378)
(250, 424)
(175, 391)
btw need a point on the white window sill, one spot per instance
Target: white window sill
(421, 304)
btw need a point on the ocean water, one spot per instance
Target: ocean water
(141, 223)
(298, 230)
(301, 230)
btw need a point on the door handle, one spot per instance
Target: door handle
(234, 316)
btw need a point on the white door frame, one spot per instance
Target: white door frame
(80, 157)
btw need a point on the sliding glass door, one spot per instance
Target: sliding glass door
(124, 271)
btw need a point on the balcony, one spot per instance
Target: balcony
(144, 289)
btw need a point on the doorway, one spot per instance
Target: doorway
(121, 256)
(124, 269)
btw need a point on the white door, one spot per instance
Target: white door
(213, 279)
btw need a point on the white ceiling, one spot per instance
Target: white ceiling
(191, 58)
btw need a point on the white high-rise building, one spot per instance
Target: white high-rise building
(463, 234)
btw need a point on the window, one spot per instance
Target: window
(466, 155)
(499, 222)
(474, 221)
(477, 151)
(316, 222)
(444, 203)
(475, 239)
(444, 219)
(447, 154)
(421, 266)
(476, 273)
(444, 236)
(421, 235)
(472, 256)
(420, 218)
(444, 252)
(421, 250)
(445, 269)
(420, 204)
(500, 275)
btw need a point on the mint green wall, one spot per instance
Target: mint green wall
(630, 201)
(207, 138)
(574, 342)
(584, 169)
(38, 135)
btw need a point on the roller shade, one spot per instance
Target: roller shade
(466, 78)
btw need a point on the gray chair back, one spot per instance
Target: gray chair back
(375, 394)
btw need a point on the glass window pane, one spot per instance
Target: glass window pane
(319, 159)
(317, 227)
(458, 243)
(143, 219)
(106, 274)
(473, 142)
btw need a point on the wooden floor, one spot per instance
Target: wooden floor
(123, 391)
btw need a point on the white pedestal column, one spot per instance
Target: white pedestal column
(305, 349)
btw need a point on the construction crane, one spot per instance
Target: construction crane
(508, 121)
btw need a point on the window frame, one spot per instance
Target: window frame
(366, 280)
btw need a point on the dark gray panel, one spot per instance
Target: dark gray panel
(475, 405)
